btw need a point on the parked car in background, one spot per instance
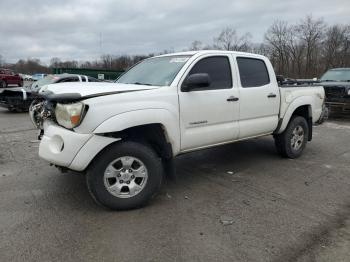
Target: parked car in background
(37, 77)
(26, 77)
(19, 99)
(8, 77)
(336, 83)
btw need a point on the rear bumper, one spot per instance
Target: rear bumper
(69, 149)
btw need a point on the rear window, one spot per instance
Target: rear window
(253, 72)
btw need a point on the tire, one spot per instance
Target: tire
(3, 84)
(292, 141)
(20, 84)
(113, 192)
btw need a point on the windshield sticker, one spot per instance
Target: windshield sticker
(179, 60)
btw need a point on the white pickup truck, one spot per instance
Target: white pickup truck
(123, 134)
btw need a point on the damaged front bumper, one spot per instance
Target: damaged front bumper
(66, 148)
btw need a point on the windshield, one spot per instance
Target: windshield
(336, 75)
(46, 80)
(158, 71)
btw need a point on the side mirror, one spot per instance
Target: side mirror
(200, 80)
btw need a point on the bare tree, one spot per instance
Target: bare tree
(311, 34)
(55, 62)
(196, 45)
(228, 39)
(336, 46)
(277, 38)
(107, 61)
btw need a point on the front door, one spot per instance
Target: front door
(209, 115)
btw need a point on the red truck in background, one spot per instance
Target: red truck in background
(8, 77)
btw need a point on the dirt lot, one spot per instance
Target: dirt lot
(239, 202)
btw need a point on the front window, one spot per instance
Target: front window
(157, 71)
(219, 71)
(336, 75)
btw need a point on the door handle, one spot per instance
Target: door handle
(232, 98)
(271, 95)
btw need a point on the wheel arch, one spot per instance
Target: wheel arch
(152, 134)
(149, 124)
(300, 107)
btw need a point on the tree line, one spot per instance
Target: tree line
(305, 49)
(302, 50)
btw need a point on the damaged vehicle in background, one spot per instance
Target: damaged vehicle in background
(124, 135)
(20, 99)
(336, 83)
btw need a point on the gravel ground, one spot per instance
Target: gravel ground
(239, 202)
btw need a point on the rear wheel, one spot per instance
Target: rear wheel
(3, 84)
(124, 176)
(292, 141)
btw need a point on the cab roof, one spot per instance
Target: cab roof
(203, 52)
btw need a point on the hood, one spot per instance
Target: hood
(93, 88)
(68, 92)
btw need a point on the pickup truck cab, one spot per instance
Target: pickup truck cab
(124, 134)
(8, 77)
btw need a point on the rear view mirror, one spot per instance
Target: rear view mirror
(200, 80)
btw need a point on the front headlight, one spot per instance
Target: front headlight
(349, 92)
(69, 115)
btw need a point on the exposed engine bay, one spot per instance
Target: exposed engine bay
(41, 110)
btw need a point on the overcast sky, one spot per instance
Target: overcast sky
(72, 29)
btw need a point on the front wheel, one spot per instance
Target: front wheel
(292, 141)
(125, 175)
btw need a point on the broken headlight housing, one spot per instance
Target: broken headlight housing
(70, 115)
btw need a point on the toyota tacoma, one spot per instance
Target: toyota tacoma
(124, 135)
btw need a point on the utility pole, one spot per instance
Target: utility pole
(100, 44)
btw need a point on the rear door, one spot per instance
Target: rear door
(209, 116)
(259, 97)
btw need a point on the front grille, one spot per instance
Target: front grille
(334, 91)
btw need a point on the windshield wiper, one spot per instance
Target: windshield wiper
(144, 84)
